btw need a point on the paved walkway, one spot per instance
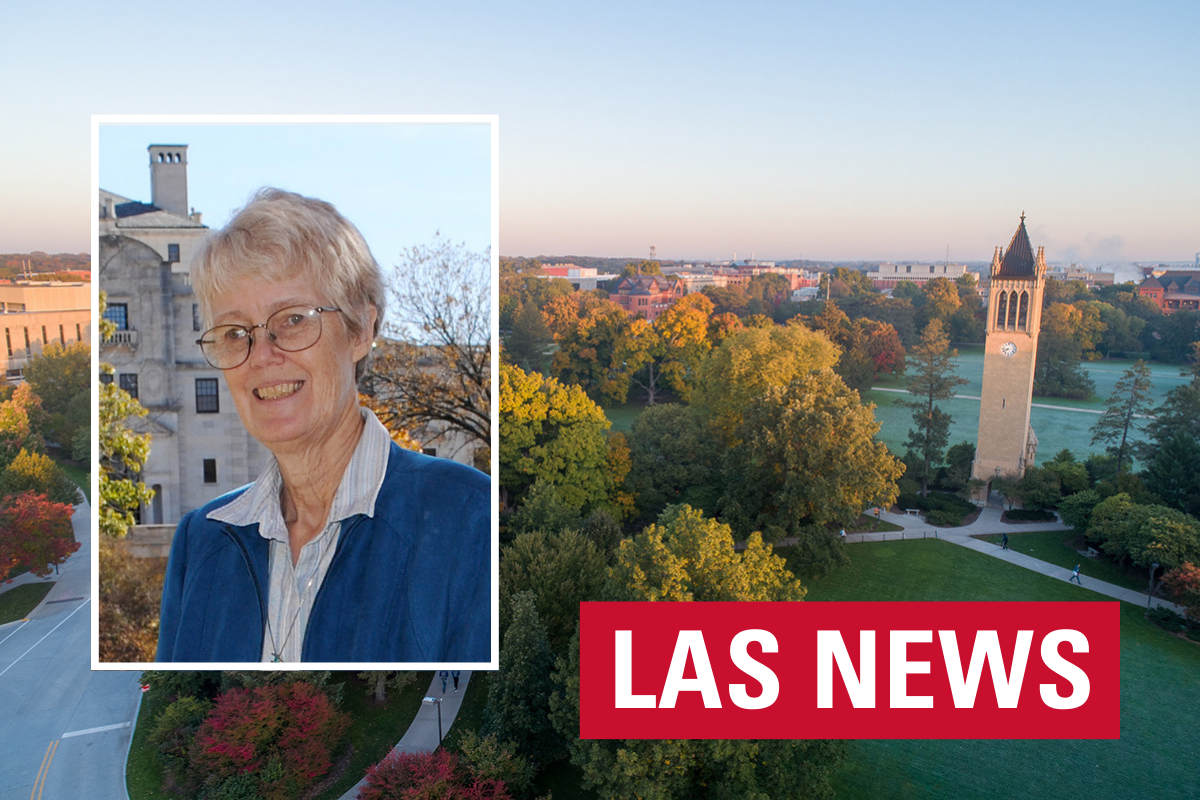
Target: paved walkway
(422, 734)
(989, 522)
(72, 580)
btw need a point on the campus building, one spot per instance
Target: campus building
(648, 295)
(36, 313)
(889, 276)
(1173, 290)
(1007, 444)
(199, 448)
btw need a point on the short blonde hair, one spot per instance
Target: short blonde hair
(279, 235)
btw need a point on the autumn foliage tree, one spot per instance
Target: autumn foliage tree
(35, 472)
(417, 776)
(806, 454)
(129, 598)
(61, 377)
(36, 533)
(600, 347)
(437, 371)
(1184, 584)
(283, 737)
(686, 557)
(749, 361)
(554, 432)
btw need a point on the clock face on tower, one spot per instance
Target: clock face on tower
(1008, 349)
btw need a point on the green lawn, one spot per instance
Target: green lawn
(18, 601)
(1160, 695)
(1058, 422)
(373, 732)
(1058, 547)
(80, 475)
(623, 416)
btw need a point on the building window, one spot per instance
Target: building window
(1001, 309)
(62, 337)
(27, 341)
(129, 383)
(908, 268)
(429, 451)
(118, 314)
(106, 377)
(195, 317)
(210, 470)
(207, 399)
(172, 253)
(8, 341)
(78, 333)
(45, 338)
(931, 270)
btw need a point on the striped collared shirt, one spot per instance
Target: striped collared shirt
(292, 589)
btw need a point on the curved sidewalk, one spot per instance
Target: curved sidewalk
(989, 522)
(422, 734)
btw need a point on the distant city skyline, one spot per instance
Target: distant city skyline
(848, 131)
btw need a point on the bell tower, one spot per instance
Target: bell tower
(1007, 444)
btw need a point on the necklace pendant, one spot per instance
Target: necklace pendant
(276, 658)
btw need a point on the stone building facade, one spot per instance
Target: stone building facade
(1007, 444)
(199, 447)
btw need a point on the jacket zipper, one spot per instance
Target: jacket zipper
(258, 592)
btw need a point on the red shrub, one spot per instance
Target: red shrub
(285, 735)
(427, 776)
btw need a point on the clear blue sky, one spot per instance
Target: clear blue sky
(399, 183)
(784, 129)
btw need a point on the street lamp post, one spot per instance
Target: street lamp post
(1150, 599)
(437, 701)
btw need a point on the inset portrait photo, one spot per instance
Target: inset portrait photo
(296, 416)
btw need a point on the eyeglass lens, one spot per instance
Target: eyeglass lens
(291, 329)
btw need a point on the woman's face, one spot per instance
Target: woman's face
(290, 400)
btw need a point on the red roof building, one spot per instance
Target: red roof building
(648, 295)
(1173, 290)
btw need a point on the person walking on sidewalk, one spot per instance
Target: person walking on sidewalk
(1004, 541)
(444, 675)
(454, 677)
(1075, 576)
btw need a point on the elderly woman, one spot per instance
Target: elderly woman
(348, 548)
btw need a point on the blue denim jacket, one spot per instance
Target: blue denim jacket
(411, 584)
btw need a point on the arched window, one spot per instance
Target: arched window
(1012, 311)
(1024, 314)
(1001, 309)
(160, 158)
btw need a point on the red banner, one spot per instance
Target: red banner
(813, 670)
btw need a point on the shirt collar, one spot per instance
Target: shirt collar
(356, 494)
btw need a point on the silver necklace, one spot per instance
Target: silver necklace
(277, 648)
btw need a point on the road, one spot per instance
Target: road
(64, 730)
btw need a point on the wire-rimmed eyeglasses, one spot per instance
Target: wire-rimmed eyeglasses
(291, 329)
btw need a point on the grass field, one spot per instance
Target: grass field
(80, 476)
(1156, 755)
(623, 416)
(1058, 547)
(20, 600)
(1059, 424)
